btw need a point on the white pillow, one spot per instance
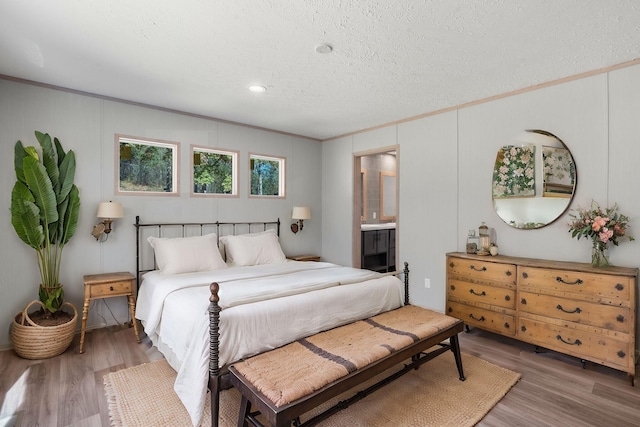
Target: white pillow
(187, 254)
(253, 249)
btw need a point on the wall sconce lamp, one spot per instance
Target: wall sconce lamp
(300, 213)
(108, 211)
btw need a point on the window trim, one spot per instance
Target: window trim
(235, 193)
(175, 146)
(281, 176)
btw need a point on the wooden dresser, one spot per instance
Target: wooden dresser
(573, 308)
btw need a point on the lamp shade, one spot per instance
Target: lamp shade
(110, 210)
(301, 212)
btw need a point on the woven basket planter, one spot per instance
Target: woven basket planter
(33, 341)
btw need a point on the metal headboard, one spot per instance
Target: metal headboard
(187, 229)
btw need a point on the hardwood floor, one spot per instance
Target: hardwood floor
(68, 390)
(554, 389)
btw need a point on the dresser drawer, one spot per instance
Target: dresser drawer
(591, 286)
(595, 347)
(482, 318)
(122, 287)
(481, 271)
(481, 293)
(584, 312)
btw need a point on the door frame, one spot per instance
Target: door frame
(357, 200)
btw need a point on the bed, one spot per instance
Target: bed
(260, 301)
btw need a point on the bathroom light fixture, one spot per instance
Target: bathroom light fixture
(257, 88)
(300, 213)
(108, 211)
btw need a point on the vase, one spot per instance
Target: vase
(599, 257)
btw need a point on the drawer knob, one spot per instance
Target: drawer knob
(576, 282)
(577, 310)
(506, 325)
(621, 354)
(525, 275)
(620, 318)
(481, 294)
(619, 286)
(523, 301)
(453, 287)
(576, 342)
(507, 298)
(473, 267)
(481, 319)
(111, 288)
(508, 273)
(451, 264)
(523, 328)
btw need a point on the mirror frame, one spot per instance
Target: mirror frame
(363, 195)
(570, 198)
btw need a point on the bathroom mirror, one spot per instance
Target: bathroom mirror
(387, 196)
(534, 180)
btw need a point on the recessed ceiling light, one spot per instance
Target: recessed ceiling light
(324, 48)
(257, 88)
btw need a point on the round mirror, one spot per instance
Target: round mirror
(534, 180)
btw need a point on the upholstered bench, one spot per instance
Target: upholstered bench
(284, 383)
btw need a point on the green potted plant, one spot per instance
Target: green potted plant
(45, 205)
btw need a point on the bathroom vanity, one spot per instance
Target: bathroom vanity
(378, 251)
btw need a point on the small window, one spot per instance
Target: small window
(214, 172)
(146, 166)
(267, 175)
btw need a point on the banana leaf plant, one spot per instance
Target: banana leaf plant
(45, 206)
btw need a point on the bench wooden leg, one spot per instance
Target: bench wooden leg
(455, 347)
(245, 407)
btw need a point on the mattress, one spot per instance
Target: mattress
(263, 307)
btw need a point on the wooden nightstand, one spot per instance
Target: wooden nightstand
(304, 257)
(108, 285)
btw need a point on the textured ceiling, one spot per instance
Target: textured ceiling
(391, 60)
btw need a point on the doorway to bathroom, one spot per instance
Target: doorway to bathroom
(375, 212)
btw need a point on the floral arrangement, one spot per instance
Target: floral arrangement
(514, 172)
(602, 227)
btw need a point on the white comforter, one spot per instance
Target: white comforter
(263, 307)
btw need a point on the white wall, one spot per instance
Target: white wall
(446, 162)
(337, 196)
(428, 200)
(88, 125)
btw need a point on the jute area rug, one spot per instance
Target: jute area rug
(433, 395)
